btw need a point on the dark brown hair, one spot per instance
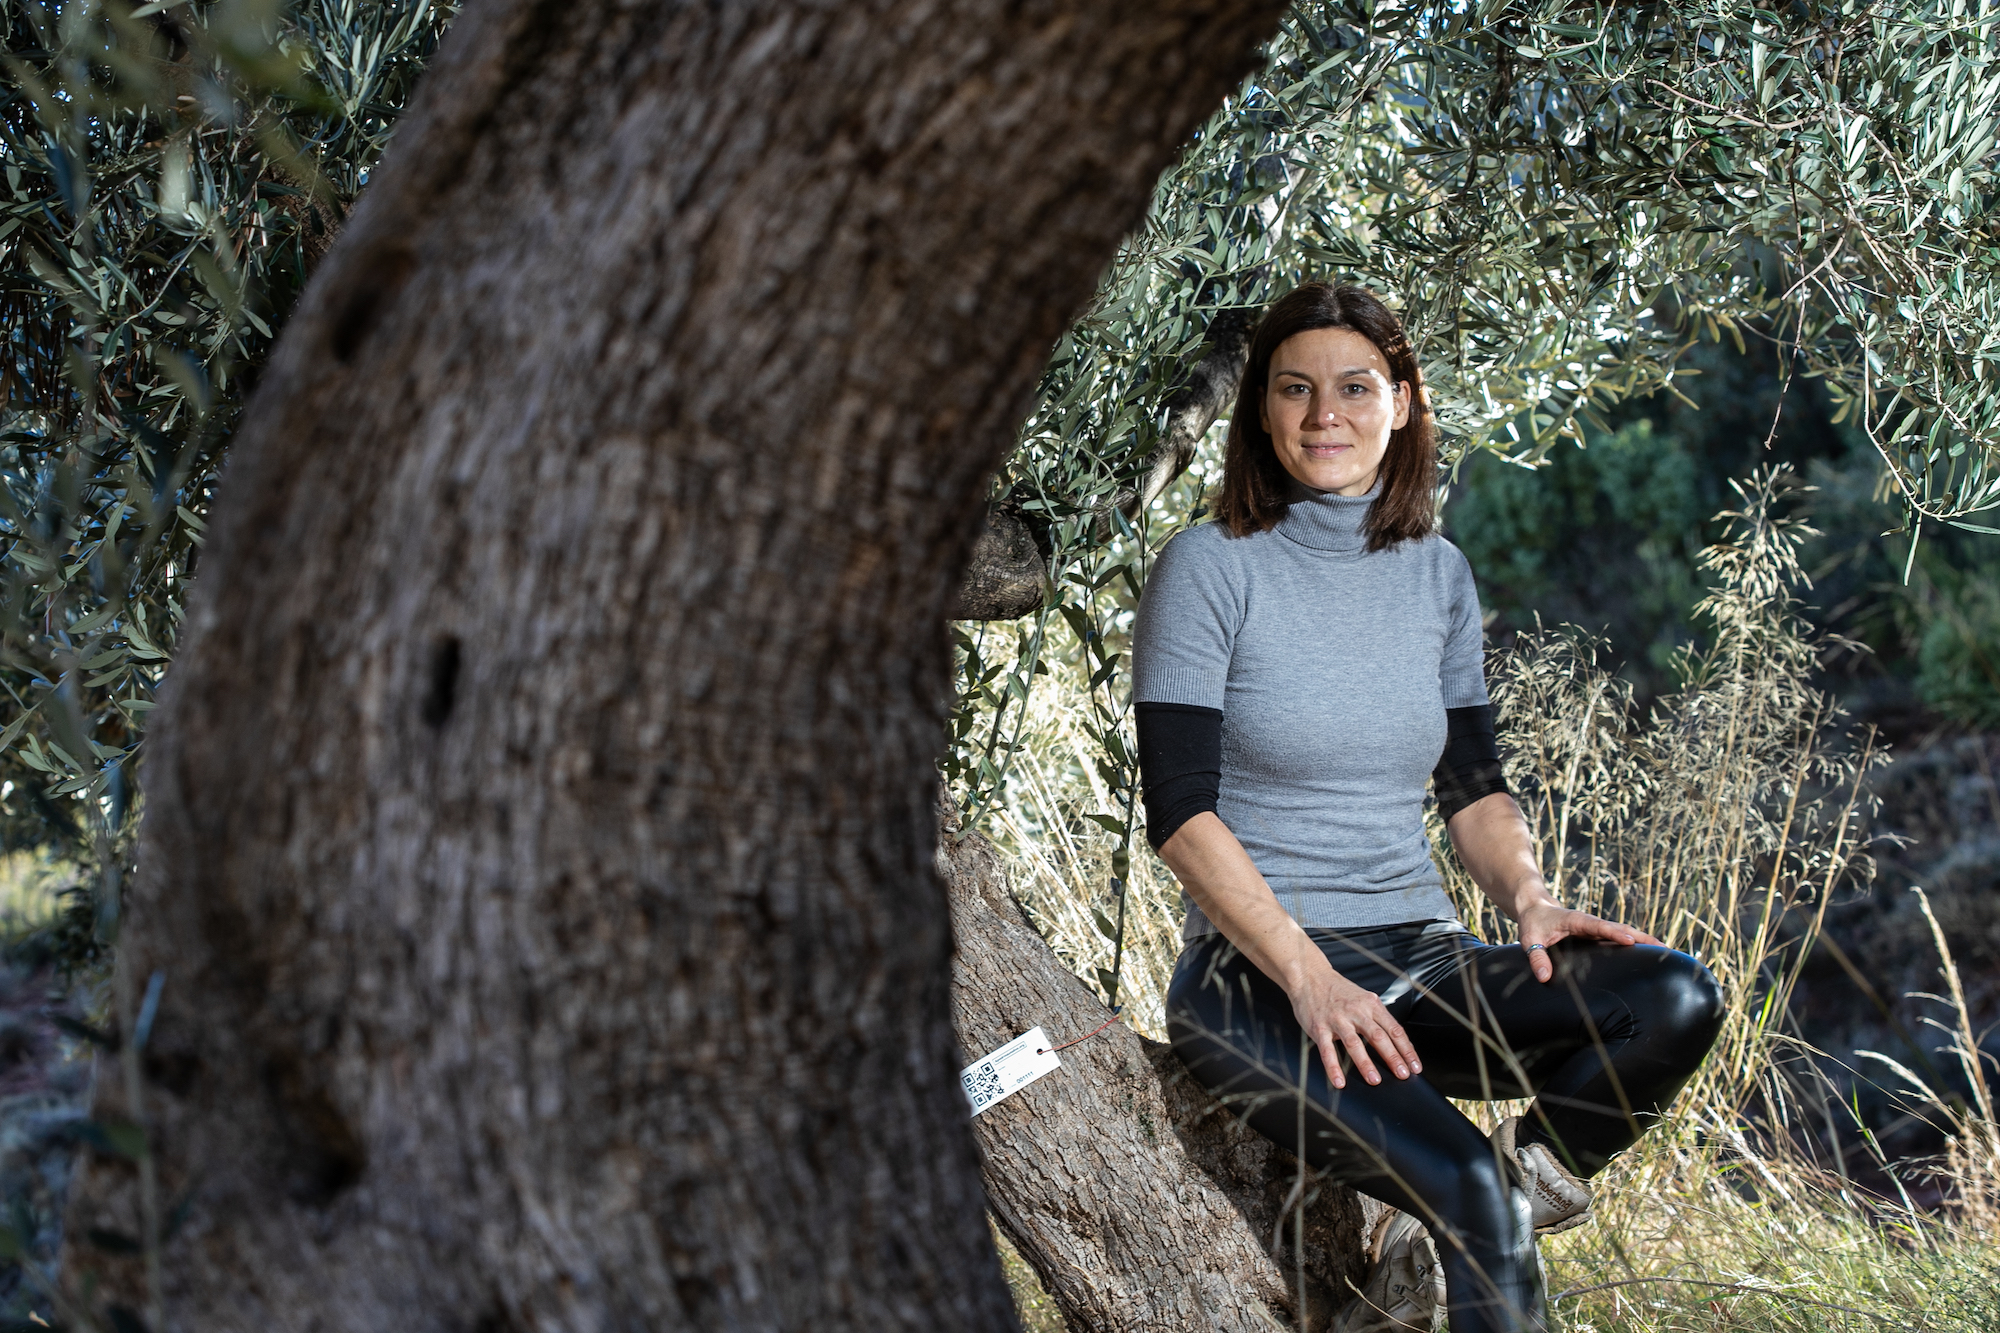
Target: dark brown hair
(1255, 483)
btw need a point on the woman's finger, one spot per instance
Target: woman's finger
(1404, 1049)
(1329, 1055)
(1386, 1035)
(1357, 1051)
(1538, 956)
(1599, 928)
(1638, 936)
(1392, 1048)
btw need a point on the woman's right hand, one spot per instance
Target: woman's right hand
(1337, 1014)
(1217, 873)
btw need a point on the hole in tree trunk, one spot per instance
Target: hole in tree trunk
(443, 691)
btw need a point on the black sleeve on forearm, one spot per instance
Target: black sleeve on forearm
(1180, 764)
(1470, 768)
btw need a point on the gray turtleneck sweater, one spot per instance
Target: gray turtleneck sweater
(1332, 667)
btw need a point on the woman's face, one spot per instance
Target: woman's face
(1329, 406)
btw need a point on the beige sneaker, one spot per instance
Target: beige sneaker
(1557, 1200)
(1404, 1292)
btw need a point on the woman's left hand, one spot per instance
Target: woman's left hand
(1547, 922)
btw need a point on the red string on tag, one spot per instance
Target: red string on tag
(1050, 1050)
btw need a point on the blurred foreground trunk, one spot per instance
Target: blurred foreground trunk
(538, 857)
(1139, 1201)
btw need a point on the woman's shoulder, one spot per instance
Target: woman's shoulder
(1435, 563)
(1203, 559)
(1209, 545)
(1214, 541)
(1439, 551)
(1213, 549)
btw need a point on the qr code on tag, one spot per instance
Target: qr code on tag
(982, 1085)
(998, 1075)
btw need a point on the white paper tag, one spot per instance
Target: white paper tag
(1008, 1070)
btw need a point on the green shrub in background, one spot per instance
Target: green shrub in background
(171, 172)
(1958, 657)
(1929, 624)
(1606, 536)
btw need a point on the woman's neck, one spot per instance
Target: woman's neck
(1327, 520)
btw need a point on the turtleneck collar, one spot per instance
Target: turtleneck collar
(1326, 521)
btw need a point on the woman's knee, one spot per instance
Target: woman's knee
(1648, 989)
(1478, 1200)
(1667, 994)
(1683, 997)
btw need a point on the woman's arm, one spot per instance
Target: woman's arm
(1219, 875)
(1493, 844)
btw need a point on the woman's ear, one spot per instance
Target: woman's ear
(1403, 396)
(1263, 409)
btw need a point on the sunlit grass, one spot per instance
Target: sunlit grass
(30, 885)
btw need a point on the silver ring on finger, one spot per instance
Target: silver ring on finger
(1532, 947)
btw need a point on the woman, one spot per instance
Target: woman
(1302, 666)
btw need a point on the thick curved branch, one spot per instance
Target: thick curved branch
(1210, 387)
(1007, 574)
(1138, 1199)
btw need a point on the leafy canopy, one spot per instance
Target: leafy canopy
(171, 173)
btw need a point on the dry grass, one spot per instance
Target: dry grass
(30, 884)
(1061, 869)
(1725, 824)
(1036, 1307)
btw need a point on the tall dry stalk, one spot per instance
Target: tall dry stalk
(1051, 824)
(1724, 823)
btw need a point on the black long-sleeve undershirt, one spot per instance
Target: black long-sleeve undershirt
(1180, 763)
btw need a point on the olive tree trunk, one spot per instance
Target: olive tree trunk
(539, 846)
(1139, 1201)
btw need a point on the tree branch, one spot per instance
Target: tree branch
(1007, 574)
(1194, 408)
(1140, 1201)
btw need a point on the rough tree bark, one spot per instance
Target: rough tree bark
(1140, 1202)
(1007, 574)
(539, 839)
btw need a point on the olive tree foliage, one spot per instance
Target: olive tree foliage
(171, 173)
(1559, 197)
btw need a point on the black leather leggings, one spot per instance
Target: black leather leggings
(1603, 1048)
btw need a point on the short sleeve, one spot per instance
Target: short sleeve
(1462, 674)
(1189, 613)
